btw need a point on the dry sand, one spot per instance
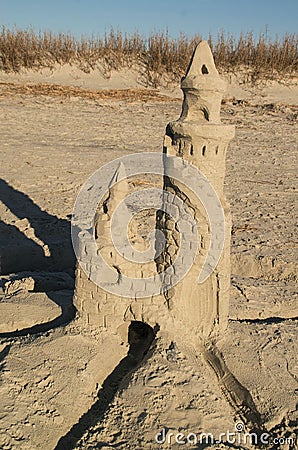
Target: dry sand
(52, 139)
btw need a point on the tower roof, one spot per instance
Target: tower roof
(202, 73)
(202, 61)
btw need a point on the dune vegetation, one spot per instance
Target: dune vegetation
(157, 55)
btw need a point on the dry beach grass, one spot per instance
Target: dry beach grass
(156, 55)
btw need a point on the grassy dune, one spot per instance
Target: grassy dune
(156, 56)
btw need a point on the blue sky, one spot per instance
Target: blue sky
(187, 16)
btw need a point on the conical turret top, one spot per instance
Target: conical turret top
(202, 62)
(119, 174)
(202, 87)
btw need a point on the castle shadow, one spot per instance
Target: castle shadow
(50, 250)
(22, 253)
(140, 339)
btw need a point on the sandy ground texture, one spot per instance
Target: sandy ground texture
(66, 386)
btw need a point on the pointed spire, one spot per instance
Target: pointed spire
(119, 174)
(203, 88)
(119, 183)
(202, 73)
(202, 62)
(118, 189)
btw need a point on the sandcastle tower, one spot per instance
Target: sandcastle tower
(198, 137)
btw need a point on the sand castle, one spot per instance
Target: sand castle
(199, 138)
